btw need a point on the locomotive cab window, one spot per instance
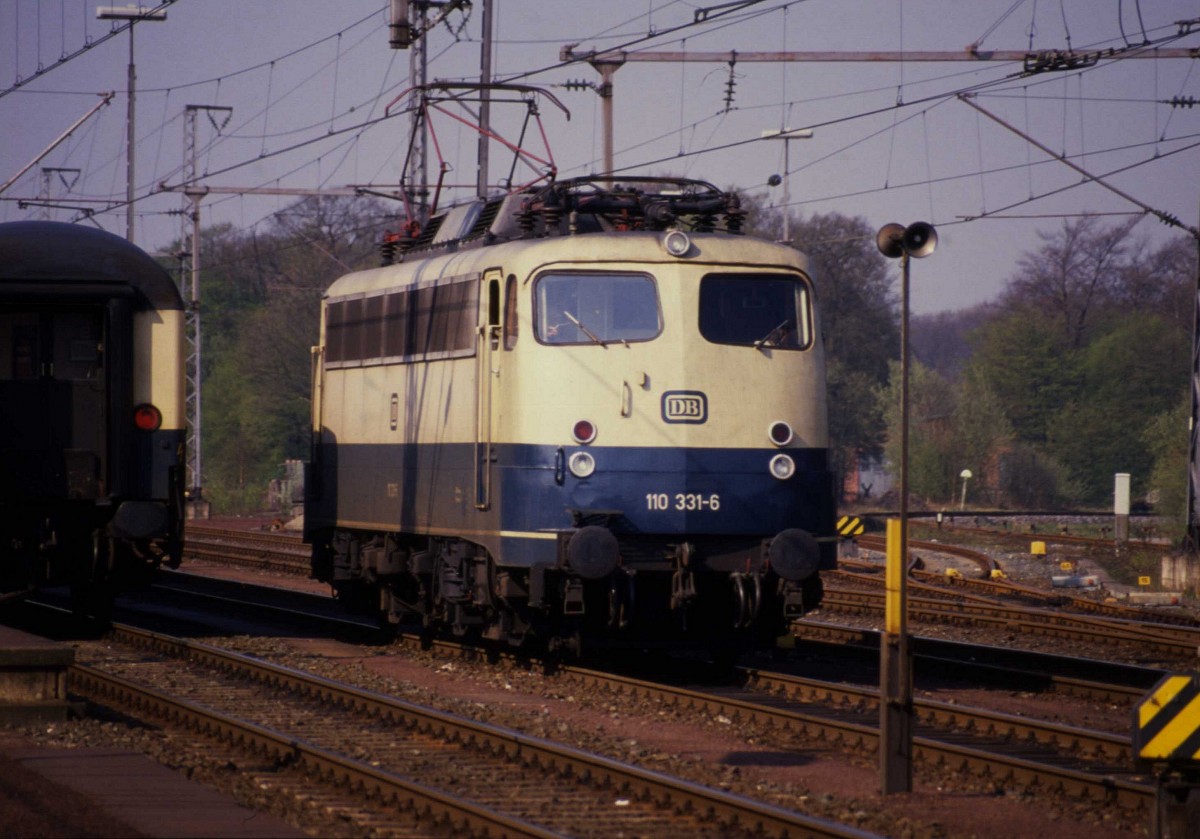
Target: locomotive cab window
(757, 310)
(596, 308)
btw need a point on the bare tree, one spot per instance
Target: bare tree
(1074, 274)
(1160, 281)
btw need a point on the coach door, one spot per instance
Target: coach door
(487, 374)
(53, 393)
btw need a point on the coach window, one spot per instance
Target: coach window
(62, 345)
(20, 346)
(77, 345)
(511, 290)
(757, 310)
(596, 308)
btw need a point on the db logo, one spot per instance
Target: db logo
(689, 406)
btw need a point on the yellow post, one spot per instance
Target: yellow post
(894, 617)
(895, 670)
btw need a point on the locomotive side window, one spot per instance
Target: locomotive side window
(372, 327)
(335, 332)
(416, 324)
(757, 310)
(596, 308)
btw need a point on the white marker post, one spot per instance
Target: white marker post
(1121, 507)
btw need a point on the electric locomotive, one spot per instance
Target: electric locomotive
(92, 426)
(594, 411)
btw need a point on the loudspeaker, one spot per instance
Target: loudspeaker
(917, 240)
(890, 240)
(920, 239)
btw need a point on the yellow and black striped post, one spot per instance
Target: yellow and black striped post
(1166, 740)
(850, 526)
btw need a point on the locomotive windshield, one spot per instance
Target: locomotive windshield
(596, 308)
(758, 310)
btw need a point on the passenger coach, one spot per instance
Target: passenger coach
(92, 426)
(596, 411)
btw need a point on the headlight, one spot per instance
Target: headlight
(782, 467)
(676, 243)
(581, 464)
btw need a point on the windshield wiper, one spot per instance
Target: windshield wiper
(585, 330)
(774, 336)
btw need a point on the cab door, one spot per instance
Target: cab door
(487, 375)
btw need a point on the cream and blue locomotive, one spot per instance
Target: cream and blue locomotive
(594, 410)
(92, 417)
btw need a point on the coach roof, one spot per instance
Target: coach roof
(72, 256)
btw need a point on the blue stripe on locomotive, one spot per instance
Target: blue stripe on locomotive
(431, 488)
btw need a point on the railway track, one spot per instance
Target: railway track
(1005, 668)
(1039, 672)
(1047, 534)
(476, 778)
(1002, 588)
(974, 663)
(989, 663)
(1016, 753)
(1169, 642)
(802, 714)
(1169, 633)
(951, 738)
(953, 742)
(252, 549)
(286, 554)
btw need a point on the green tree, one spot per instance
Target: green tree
(854, 288)
(261, 320)
(933, 464)
(1027, 477)
(982, 435)
(1167, 439)
(1134, 373)
(953, 425)
(231, 283)
(1029, 367)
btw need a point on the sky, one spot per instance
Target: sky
(309, 83)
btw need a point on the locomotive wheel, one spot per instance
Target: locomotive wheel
(92, 588)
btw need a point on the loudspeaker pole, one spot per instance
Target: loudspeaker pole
(895, 664)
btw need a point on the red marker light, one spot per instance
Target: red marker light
(147, 417)
(780, 433)
(584, 432)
